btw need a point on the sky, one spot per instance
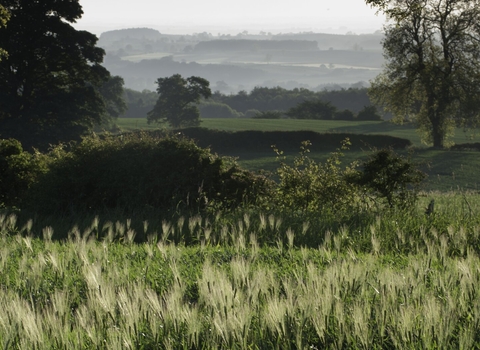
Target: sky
(230, 17)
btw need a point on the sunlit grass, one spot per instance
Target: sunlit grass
(404, 281)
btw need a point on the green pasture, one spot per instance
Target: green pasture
(406, 131)
(447, 170)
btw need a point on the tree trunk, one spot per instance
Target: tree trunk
(437, 134)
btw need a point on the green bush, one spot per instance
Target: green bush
(136, 173)
(268, 115)
(390, 177)
(311, 187)
(217, 110)
(18, 171)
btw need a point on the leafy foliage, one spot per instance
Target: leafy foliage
(217, 110)
(177, 97)
(389, 176)
(135, 173)
(268, 115)
(18, 171)
(432, 73)
(4, 17)
(52, 75)
(369, 113)
(311, 187)
(312, 109)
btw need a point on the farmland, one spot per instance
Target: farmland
(254, 278)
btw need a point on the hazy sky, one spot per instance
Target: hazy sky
(227, 16)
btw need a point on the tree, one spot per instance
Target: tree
(112, 93)
(177, 99)
(4, 16)
(52, 74)
(315, 109)
(369, 113)
(432, 71)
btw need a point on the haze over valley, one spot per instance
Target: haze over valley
(240, 62)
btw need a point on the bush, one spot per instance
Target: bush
(312, 109)
(217, 110)
(311, 187)
(18, 171)
(369, 113)
(391, 177)
(268, 115)
(344, 115)
(136, 173)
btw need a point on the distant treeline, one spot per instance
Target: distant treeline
(280, 99)
(256, 45)
(260, 99)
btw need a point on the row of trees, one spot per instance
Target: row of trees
(54, 87)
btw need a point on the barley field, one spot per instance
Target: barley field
(402, 283)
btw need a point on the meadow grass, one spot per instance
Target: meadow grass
(403, 281)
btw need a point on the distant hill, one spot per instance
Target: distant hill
(137, 33)
(255, 45)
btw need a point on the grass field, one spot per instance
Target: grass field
(407, 282)
(321, 126)
(447, 170)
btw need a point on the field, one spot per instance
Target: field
(406, 282)
(447, 170)
(245, 279)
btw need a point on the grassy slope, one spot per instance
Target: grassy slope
(448, 170)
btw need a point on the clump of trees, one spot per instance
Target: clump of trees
(432, 70)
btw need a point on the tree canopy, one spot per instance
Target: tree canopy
(312, 109)
(52, 74)
(4, 16)
(432, 70)
(177, 99)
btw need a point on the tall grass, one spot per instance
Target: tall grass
(403, 282)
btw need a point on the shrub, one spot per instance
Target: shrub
(369, 113)
(344, 115)
(135, 173)
(18, 171)
(312, 109)
(268, 115)
(217, 110)
(391, 177)
(311, 187)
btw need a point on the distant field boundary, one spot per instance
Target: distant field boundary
(261, 141)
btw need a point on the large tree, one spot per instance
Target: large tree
(432, 69)
(177, 100)
(52, 74)
(4, 16)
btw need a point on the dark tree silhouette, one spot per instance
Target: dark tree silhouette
(52, 74)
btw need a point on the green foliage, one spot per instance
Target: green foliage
(51, 76)
(311, 187)
(217, 110)
(390, 176)
(268, 115)
(139, 103)
(177, 97)
(432, 73)
(112, 93)
(316, 109)
(344, 115)
(18, 171)
(369, 113)
(135, 173)
(4, 17)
